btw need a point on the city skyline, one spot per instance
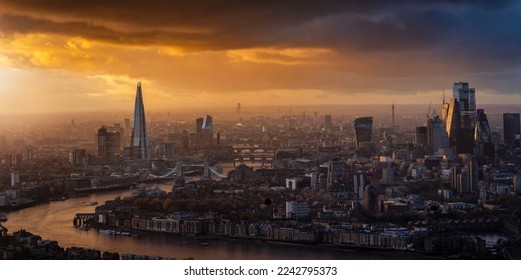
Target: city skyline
(89, 56)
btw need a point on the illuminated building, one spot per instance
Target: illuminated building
(363, 129)
(139, 141)
(452, 121)
(466, 98)
(207, 130)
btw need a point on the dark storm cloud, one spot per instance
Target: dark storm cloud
(455, 36)
(363, 25)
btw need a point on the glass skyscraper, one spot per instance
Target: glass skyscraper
(363, 130)
(139, 141)
(511, 127)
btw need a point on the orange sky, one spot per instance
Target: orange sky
(88, 55)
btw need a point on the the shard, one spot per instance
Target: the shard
(138, 140)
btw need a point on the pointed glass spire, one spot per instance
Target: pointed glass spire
(138, 140)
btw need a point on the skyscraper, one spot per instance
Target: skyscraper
(466, 98)
(392, 106)
(482, 136)
(363, 130)
(328, 123)
(207, 130)
(421, 136)
(452, 121)
(138, 140)
(436, 134)
(108, 144)
(511, 127)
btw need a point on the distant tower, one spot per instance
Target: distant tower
(328, 123)
(511, 127)
(109, 144)
(392, 106)
(139, 141)
(466, 98)
(207, 130)
(482, 136)
(238, 107)
(363, 130)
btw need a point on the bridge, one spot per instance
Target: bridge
(181, 166)
(254, 153)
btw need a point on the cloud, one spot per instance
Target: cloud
(183, 50)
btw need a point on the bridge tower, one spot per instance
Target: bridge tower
(179, 168)
(206, 172)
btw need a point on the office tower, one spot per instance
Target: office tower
(335, 172)
(467, 109)
(363, 129)
(511, 127)
(139, 138)
(436, 134)
(127, 125)
(472, 175)
(452, 121)
(207, 130)
(15, 178)
(369, 200)
(78, 156)
(198, 125)
(421, 136)
(482, 137)
(392, 106)
(108, 144)
(327, 122)
(238, 107)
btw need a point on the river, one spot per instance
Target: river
(53, 221)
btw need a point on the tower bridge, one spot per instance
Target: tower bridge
(183, 167)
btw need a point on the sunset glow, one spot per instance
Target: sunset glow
(75, 55)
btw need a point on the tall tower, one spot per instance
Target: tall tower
(466, 98)
(392, 106)
(363, 130)
(511, 127)
(139, 141)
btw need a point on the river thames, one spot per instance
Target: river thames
(53, 221)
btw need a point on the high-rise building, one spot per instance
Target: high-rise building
(392, 107)
(328, 123)
(335, 172)
(369, 200)
(421, 136)
(363, 130)
(436, 134)
(108, 144)
(238, 107)
(198, 125)
(139, 138)
(452, 121)
(78, 156)
(511, 127)
(207, 130)
(482, 137)
(466, 98)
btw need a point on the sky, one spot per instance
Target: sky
(63, 56)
